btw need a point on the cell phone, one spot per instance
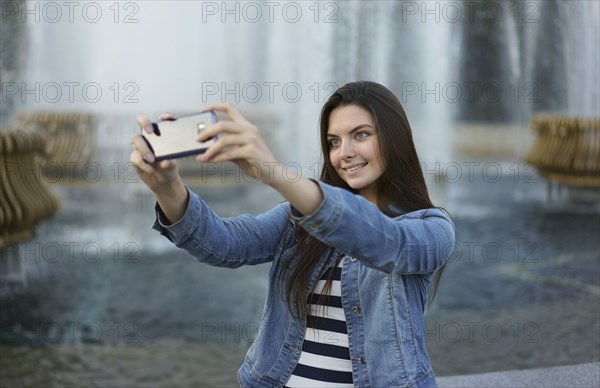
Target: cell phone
(176, 138)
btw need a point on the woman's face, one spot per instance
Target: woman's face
(353, 149)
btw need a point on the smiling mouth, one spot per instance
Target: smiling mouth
(354, 168)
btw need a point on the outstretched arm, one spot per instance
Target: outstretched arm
(190, 224)
(416, 242)
(240, 141)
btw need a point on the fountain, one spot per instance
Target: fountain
(471, 77)
(25, 198)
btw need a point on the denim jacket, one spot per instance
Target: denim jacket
(388, 265)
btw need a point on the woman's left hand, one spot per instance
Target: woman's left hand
(240, 141)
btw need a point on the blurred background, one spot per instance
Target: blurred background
(504, 103)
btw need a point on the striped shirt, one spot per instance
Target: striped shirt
(325, 358)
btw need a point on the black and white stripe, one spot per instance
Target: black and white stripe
(325, 358)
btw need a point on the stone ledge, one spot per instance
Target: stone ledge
(492, 140)
(579, 375)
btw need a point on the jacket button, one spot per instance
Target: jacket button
(355, 309)
(352, 259)
(359, 360)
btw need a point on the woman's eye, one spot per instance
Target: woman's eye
(334, 142)
(362, 135)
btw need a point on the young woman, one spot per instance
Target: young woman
(352, 255)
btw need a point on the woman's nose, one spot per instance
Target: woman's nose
(347, 150)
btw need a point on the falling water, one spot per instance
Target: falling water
(179, 57)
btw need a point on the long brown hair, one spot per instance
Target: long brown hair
(402, 183)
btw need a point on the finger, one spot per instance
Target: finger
(139, 144)
(219, 128)
(166, 117)
(232, 112)
(223, 142)
(233, 154)
(145, 123)
(139, 164)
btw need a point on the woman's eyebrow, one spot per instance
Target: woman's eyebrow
(361, 126)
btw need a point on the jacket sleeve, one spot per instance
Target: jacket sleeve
(417, 242)
(225, 242)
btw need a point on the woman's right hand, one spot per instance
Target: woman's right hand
(159, 176)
